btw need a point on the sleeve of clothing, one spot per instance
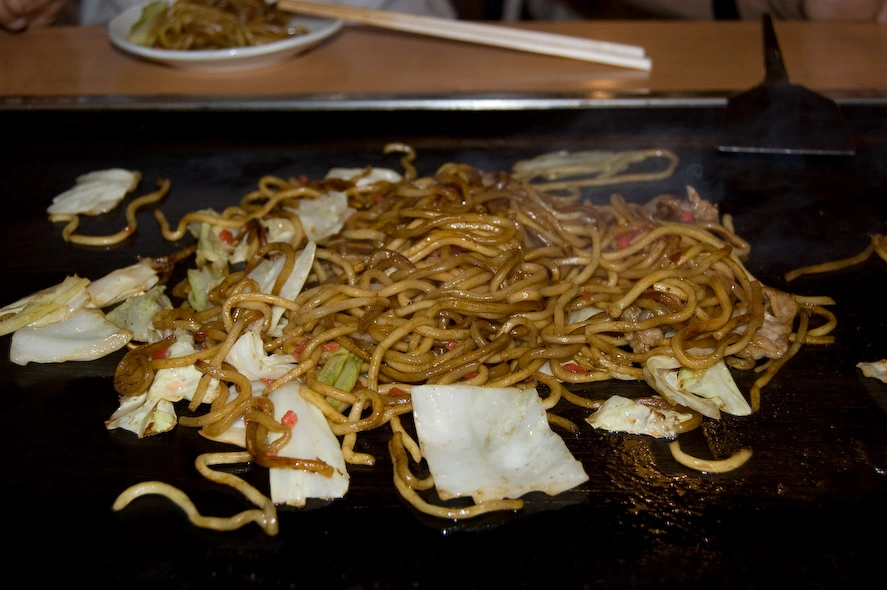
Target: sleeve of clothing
(99, 12)
(781, 9)
(688, 9)
(725, 10)
(440, 8)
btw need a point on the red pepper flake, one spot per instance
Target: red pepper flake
(289, 419)
(300, 348)
(199, 336)
(267, 380)
(689, 217)
(624, 239)
(127, 228)
(162, 353)
(396, 392)
(226, 236)
(378, 197)
(331, 346)
(452, 344)
(271, 453)
(585, 295)
(471, 375)
(303, 178)
(574, 368)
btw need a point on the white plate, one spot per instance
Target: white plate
(223, 60)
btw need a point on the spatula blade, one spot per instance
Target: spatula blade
(784, 118)
(779, 117)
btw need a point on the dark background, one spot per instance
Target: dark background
(806, 511)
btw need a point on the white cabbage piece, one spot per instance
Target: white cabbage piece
(248, 356)
(96, 192)
(279, 229)
(707, 391)
(118, 285)
(491, 442)
(584, 313)
(301, 270)
(311, 439)
(323, 216)
(202, 281)
(46, 306)
(874, 369)
(59, 302)
(136, 314)
(178, 383)
(143, 415)
(266, 272)
(717, 384)
(363, 177)
(85, 336)
(620, 414)
(153, 412)
(211, 248)
(661, 373)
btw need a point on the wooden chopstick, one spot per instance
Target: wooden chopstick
(616, 54)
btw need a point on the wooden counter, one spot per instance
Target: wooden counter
(68, 65)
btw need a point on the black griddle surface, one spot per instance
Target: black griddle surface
(806, 511)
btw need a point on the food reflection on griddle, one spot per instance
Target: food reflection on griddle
(457, 313)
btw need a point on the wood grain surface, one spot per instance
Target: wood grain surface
(688, 56)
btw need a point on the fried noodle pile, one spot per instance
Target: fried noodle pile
(473, 277)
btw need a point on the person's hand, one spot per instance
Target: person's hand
(17, 15)
(846, 10)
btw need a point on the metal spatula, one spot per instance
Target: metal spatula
(782, 118)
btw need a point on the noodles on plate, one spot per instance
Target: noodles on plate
(211, 24)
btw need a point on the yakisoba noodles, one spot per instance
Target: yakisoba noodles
(72, 220)
(737, 459)
(877, 245)
(212, 24)
(477, 277)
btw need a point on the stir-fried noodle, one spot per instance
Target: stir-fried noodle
(213, 24)
(469, 276)
(877, 246)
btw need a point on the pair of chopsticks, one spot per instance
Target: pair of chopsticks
(616, 54)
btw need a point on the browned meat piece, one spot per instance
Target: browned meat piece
(772, 339)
